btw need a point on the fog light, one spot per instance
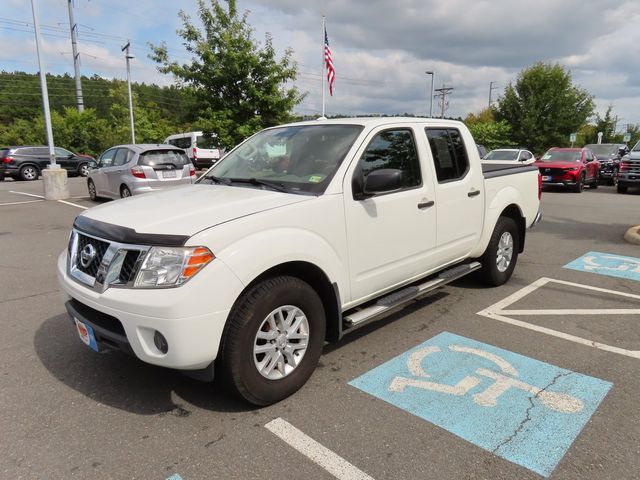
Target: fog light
(160, 342)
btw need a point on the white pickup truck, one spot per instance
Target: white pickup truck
(300, 234)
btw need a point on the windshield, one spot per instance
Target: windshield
(636, 147)
(562, 156)
(502, 155)
(602, 149)
(301, 159)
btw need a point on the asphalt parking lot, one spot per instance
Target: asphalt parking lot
(537, 378)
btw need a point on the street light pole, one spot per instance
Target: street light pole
(43, 88)
(76, 58)
(431, 102)
(128, 56)
(54, 178)
(491, 88)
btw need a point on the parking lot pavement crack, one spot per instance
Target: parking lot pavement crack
(50, 292)
(527, 414)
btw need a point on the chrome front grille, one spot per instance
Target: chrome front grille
(100, 264)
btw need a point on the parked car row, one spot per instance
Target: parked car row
(26, 162)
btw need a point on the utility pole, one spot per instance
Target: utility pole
(431, 102)
(491, 89)
(76, 57)
(442, 93)
(128, 57)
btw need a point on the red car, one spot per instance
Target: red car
(569, 167)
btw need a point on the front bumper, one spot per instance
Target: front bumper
(190, 317)
(628, 179)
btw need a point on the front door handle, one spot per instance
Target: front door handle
(473, 193)
(424, 205)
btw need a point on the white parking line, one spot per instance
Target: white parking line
(498, 311)
(41, 197)
(316, 452)
(73, 204)
(20, 203)
(27, 194)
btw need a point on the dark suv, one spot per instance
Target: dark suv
(26, 163)
(609, 155)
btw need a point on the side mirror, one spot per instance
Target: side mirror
(622, 151)
(385, 180)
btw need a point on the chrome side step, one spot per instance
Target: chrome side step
(405, 295)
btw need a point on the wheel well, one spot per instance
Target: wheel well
(513, 212)
(319, 281)
(30, 165)
(123, 185)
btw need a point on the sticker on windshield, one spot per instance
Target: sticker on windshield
(546, 156)
(315, 178)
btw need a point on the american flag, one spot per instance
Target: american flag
(331, 72)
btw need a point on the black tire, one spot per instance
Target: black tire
(124, 191)
(594, 182)
(1, 178)
(249, 316)
(492, 274)
(29, 173)
(92, 190)
(83, 170)
(614, 178)
(577, 188)
(621, 189)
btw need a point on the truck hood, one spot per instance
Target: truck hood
(189, 209)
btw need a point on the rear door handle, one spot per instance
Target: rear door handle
(473, 193)
(424, 205)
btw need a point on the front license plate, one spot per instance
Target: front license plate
(547, 178)
(86, 334)
(169, 174)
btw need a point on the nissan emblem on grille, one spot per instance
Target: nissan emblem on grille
(87, 255)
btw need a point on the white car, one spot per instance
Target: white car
(201, 149)
(301, 234)
(510, 155)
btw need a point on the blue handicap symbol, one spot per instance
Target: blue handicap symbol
(609, 264)
(523, 410)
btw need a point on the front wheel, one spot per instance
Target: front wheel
(501, 255)
(93, 195)
(83, 170)
(614, 178)
(621, 189)
(273, 340)
(577, 188)
(596, 179)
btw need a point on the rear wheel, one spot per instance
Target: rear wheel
(29, 173)
(124, 191)
(621, 189)
(273, 340)
(501, 255)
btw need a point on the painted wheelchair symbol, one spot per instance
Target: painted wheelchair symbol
(559, 402)
(625, 264)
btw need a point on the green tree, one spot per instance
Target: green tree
(239, 86)
(543, 107)
(492, 134)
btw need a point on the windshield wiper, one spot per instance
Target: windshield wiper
(256, 181)
(214, 179)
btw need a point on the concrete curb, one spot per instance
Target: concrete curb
(633, 235)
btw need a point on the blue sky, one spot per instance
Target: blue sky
(381, 48)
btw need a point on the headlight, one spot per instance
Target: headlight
(171, 266)
(572, 169)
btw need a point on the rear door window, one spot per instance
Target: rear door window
(203, 141)
(121, 157)
(183, 142)
(449, 153)
(164, 159)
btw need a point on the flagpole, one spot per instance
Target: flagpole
(323, 61)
